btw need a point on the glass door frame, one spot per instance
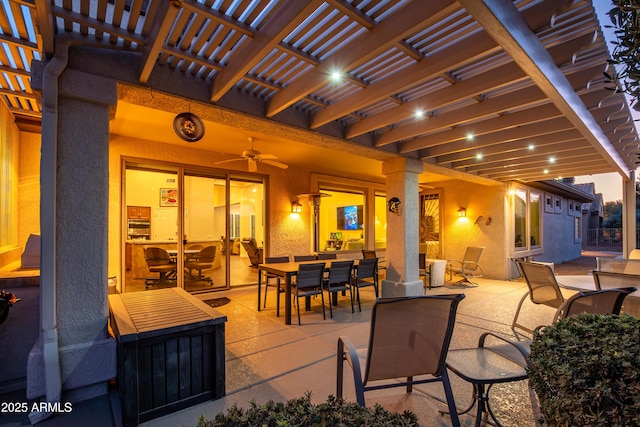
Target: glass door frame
(181, 170)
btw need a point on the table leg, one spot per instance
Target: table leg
(260, 287)
(287, 300)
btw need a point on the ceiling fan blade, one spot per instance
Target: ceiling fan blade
(253, 166)
(274, 163)
(268, 156)
(227, 161)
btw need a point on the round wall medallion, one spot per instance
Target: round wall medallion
(189, 127)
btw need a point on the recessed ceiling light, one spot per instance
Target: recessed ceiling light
(532, 147)
(479, 156)
(469, 136)
(546, 171)
(336, 76)
(418, 114)
(552, 159)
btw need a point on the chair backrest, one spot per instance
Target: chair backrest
(608, 280)
(422, 261)
(410, 336)
(327, 255)
(367, 267)
(472, 256)
(340, 272)
(302, 258)
(543, 287)
(310, 275)
(366, 254)
(156, 256)
(604, 301)
(206, 254)
(276, 259)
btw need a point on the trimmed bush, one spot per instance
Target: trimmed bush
(301, 412)
(586, 371)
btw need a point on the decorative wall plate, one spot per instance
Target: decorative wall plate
(189, 127)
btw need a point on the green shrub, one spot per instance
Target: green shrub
(301, 412)
(586, 371)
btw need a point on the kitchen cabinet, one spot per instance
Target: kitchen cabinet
(138, 212)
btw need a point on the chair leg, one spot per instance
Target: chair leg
(330, 308)
(451, 403)
(515, 323)
(298, 306)
(266, 288)
(351, 299)
(324, 315)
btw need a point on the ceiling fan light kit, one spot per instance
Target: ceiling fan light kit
(253, 157)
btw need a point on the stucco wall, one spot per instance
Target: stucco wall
(558, 235)
(459, 233)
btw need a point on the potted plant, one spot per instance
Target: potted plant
(586, 371)
(301, 412)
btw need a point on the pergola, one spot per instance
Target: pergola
(495, 90)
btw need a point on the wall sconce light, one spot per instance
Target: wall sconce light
(296, 207)
(462, 212)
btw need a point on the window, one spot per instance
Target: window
(527, 224)
(577, 229)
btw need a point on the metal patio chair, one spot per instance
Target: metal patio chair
(409, 339)
(467, 267)
(339, 280)
(543, 289)
(309, 282)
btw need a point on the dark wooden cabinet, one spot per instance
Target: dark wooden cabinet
(138, 212)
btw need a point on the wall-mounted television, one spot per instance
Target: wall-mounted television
(350, 217)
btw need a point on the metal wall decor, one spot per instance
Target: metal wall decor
(394, 205)
(189, 127)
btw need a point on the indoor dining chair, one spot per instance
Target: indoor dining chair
(309, 282)
(339, 280)
(408, 339)
(159, 261)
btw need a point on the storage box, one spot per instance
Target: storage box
(170, 352)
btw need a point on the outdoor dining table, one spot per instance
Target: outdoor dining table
(287, 270)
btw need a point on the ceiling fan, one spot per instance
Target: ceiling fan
(254, 156)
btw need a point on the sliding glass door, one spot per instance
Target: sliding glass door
(205, 227)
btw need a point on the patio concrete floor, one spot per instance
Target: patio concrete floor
(267, 360)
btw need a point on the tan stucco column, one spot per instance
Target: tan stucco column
(75, 344)
(402, 229)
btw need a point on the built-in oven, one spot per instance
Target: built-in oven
(138, 229)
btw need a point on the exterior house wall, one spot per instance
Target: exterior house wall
(558, 240)
(285, 234)
(459, 233)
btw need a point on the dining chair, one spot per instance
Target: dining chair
(339, 280)
(368, 254)
(304, 258)
(409, 339)
(159, 261)
(366, 275)
(268, 283)
(309, 282)
(467, 267)
(543, 289)
(424, 270)
(200, 261)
